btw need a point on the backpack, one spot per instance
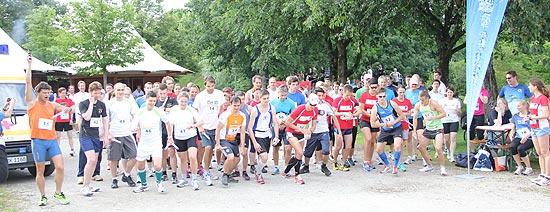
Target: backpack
(485, 159)
(462, 159)
(463, 121)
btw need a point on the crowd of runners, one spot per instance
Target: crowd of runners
(170, 133)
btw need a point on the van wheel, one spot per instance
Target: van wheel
(47, 171)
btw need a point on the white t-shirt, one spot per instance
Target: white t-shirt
(442, 88)
(208, 106)
(273, 94)
(149, 123)
(450, 107)
(77, 98)
(325, 110)
(181, 119)
(121, 114)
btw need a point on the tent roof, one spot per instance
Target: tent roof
(14, 63)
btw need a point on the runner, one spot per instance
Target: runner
(413, 94)
(165, 103)
(540, 127)
(183, 121)
(93, 114)
(385, 115)
(262, 117)
(433, 114)
(366, 101)
(283, 107)
(453, 109)
(121, 113)
(320, 136)
(245, 109)
(257, 81)
(345, 110)
(208, 103)
(230, 123)
(301, 123)
(149, 136)
(406, 108)
(63, 122)
(43, 136)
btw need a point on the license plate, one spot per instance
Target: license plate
(20, 159)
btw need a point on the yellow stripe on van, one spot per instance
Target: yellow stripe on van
(17, 132)
(12, 78)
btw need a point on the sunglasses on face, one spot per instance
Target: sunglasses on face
(384, 96)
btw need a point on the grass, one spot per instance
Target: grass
(6, 201)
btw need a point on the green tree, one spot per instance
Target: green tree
(102, 36)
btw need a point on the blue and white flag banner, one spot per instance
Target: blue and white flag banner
(483, 19)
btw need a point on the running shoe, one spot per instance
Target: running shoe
(225, 179)
(94, 189)
(424, 162)
(390, 155)
(207, 179)
(275, 171)
(264, 169)
(260, 179)
(245, 176)
(71, 153)
(183, 183)
(408, 160)
(128, 179)
(200, 171)
(252, 169)
(80, 180)
(220, 166)
(141, 188)
(43, 201)
(85, 190)
(443, 171)
(304, 169)
(335, 167)
(174, 178)
(164, 177)
(285, 175)
(343, 168)
(325, 170)
(539, 178)
(427, 168)
(61, 198)
(386, 169)
(331, 158)
(366, 166)
(414, 158)
(452, 159)
(402, 167)
(233, 180)
(519, 170)
(114, 184)
(235, 174)
(195, 183)
(298, 179)
(97, 178)
(528, 172)
(544, 182)
(160, 188)
(347, 164)
(350, 162)
(394, 170)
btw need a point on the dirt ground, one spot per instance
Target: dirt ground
(355, 190)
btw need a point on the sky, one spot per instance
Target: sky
(168, 4)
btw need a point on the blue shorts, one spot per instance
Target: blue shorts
(40, 147)
(346, 132)
(322, 139)
(537, 133)
(209, 139)
(89, 144)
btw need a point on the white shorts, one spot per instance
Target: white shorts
(144, 151)
(405, 134)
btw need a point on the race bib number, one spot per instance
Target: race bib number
(95, 122)
(147, 130)
(281, 116)
(45, 124)
(302, 126)
(180, 131)
(404, 108)
(387, 119)
(523, 132)
(477, 106)
(233, 131)
(532, 121)
(428, 115)
(64, 116)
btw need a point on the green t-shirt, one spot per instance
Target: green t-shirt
(359, 92)
(427, 112)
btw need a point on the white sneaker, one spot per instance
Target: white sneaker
(424, 162)
(519, 170)
(86, 191)
(141, 188)
(195, 183)
(94, 189)
(538, 179)
(528, 172)
(452, 159)
(427, 168)
(544, 182)
(160, 188)
(207, 179)
(414, 158)
(443, 171)
(408, 161)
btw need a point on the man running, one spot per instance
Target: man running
(345, 109)
(230, 123)
(41, 112)
(366, 101)
(283, 107)
(388, 116)
(121, 114)
(149, 136)
(262, 117)
(165, 103)
(433, 113)
(63, 122)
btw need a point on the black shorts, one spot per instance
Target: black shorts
(294, 135)
(450, 127)
(185, 144)
(230, 147)
(430, 134)
(363, 124)
(164, 141)
(246, 140)
(63, 126)
(388, 136)
(419, 123)
(265, 144)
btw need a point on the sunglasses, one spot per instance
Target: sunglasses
(508, 78)
(373, 87)
(382, 96)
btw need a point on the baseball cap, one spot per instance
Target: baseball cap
(313, 99)
(414, 80)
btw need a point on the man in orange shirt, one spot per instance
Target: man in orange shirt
(44, 139)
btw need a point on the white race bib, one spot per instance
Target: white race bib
(233, 131)
(387, 119)
(95, 122)
(64, 116)
(147, 130)
(302, 126)
(45, 124)
(523, 132)
(180, 131)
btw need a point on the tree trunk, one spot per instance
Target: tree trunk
(445, 56)
(105, 72)
(341, 46)
(490, 84)
(332, 56)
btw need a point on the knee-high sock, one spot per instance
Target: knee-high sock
(142, 174)
(384, 158)
(297, 167)
(396, 157)
(291, 163)
(158, 175)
